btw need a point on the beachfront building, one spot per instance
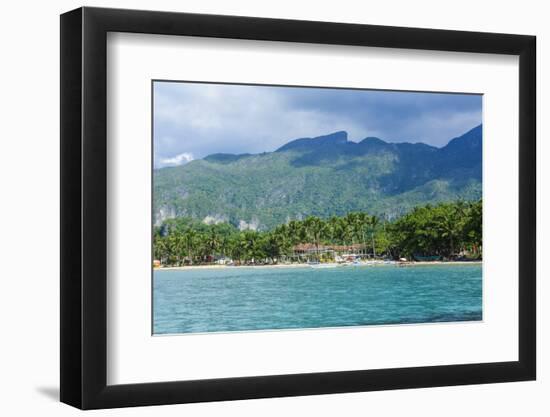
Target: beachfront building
(337, 253)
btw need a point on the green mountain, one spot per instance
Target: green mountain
(320, 176)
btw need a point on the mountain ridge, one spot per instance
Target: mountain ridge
(321, 176)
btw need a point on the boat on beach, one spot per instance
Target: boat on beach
(355, 263)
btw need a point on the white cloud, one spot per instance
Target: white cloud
(180, 159)
(202, 119)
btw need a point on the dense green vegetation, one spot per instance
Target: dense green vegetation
(448, 230)
(320, 177)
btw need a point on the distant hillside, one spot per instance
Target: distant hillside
(320, 176)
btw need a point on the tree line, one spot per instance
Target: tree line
(446, 230)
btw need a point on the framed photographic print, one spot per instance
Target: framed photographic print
(258, 207)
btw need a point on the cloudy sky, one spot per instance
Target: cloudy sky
(193, 120)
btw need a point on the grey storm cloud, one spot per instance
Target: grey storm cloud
(193, 120)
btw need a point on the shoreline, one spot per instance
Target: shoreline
(396, 264)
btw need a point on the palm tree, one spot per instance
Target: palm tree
(160, 249)
(333, 227)
(472, 227)
(235, 247)
(295, 231)
(223, 243)
(178, 247)
(351, 227)
(172, 246)
(373, 222)
(362, 222)
(449, 230)
(247, 242)
(282, 239)
(190, 240)
(213, 242)
(314, 227)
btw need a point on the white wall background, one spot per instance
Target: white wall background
(29, 164)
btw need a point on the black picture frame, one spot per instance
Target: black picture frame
(84, 207)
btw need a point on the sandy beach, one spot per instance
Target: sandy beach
(423, 263)
(190, 267)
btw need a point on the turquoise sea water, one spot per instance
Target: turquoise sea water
(248, 298)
